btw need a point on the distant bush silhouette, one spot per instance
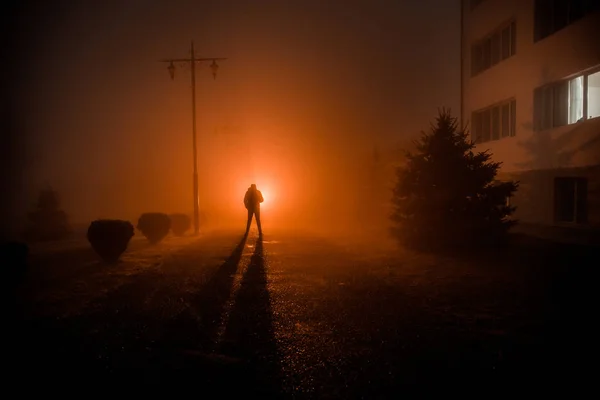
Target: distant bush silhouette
(154, 226)
(48, 221)
(13, 258)
(109, 238)
(180, 224)
(446, 196)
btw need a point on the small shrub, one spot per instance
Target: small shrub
(109, 238)
(154, 226)
(13, 256)
(180, 224)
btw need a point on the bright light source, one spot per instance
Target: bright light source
(267, 196)
(267, 189)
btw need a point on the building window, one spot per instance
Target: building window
(565, 102)
(495, 122)
(575, 99)
(570, 199)
(498, 46)
(553, 15)
(593, 95)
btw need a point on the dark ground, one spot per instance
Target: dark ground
(296, 316)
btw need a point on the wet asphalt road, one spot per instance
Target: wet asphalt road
(286, 316)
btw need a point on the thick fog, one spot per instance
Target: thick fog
(312, 94)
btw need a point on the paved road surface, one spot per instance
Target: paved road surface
(289, 315)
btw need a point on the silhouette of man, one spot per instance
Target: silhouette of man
(252, 201)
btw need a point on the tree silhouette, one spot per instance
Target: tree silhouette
(48, 221)
(447, 195)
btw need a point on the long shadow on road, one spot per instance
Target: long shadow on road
(196, 328)
(128, 331)
(249, 333)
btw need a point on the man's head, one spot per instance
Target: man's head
(253, 186)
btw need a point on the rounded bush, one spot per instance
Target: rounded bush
(154, 226)
(180, 224)
(109, 238)
(13, 256)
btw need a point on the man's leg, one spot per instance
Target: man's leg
(249, 221)
(257, 216)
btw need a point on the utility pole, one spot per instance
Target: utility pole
(192, 61)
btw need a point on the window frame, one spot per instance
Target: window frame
(580, 200)
(479, 117)
(480, 60)
(540, 114)
(586, 97)
(544, 17)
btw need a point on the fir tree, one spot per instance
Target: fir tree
(447, 195)
(48, 221)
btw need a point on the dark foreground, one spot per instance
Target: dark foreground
(295, 316)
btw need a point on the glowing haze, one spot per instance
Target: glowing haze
(308, 90)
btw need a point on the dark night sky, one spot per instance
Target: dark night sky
(92, 113)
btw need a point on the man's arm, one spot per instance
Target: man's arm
(260, 197)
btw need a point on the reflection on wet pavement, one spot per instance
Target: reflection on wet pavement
(303, 317)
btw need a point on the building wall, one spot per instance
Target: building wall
(534, 199)
(534, 157)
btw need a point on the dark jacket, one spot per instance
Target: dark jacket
(252, 199)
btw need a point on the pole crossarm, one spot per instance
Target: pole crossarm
(192, 59)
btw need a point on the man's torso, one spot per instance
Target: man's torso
(252, 199)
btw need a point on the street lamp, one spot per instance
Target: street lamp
(214, 68)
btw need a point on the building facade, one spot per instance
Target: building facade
(531, 96)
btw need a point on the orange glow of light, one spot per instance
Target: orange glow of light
(267, 196)
(267, 189)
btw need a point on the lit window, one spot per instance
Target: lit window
(593, 95)
(575, 99)
(564, 103)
